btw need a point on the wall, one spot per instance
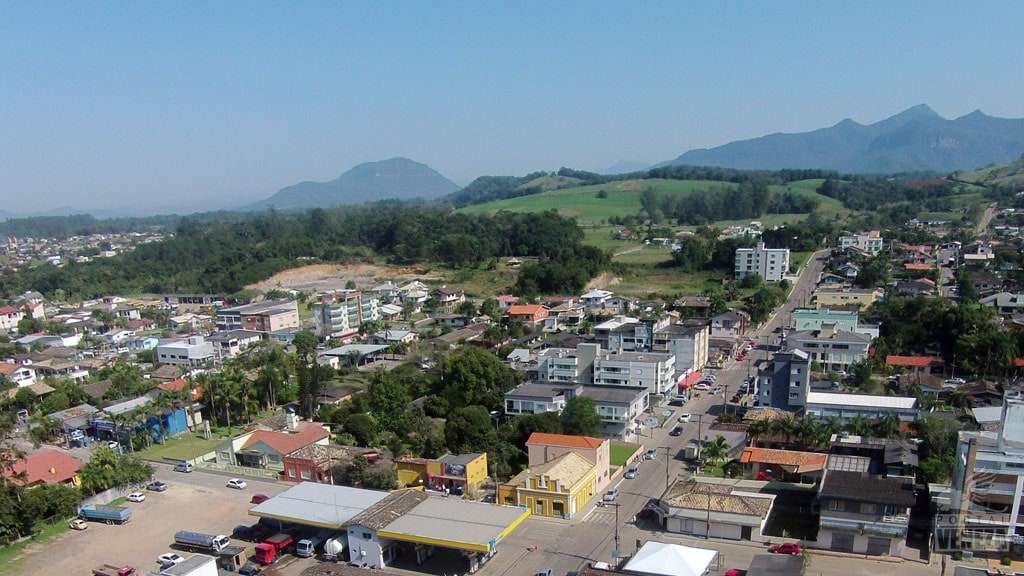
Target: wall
(364, 547)
(476, 472)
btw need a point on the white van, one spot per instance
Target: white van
(306, 547)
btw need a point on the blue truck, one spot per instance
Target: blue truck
(107, 514)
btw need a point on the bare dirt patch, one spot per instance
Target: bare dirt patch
(323, 277)
(603, 280)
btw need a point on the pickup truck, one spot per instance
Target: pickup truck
(103, 513)
(274, 546)
(111, 570)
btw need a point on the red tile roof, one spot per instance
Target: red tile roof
(285, 443)
(8, 310)
(179, 384)
(526, 310)
(914, 361)
(8, 368)
(1018, 362)
(800, 461)
(564, 440)
(43, 467)
(918, 267)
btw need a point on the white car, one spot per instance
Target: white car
(136, 497)
(169, 559)
(702, 386)
(684, 417)
(632, 473)
(113, 445)
(237, 484)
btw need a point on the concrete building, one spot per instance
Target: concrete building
(231, 343)
(542, 448)
(9, 318)
(595, 299)
(618, 407)
(868, 242)
(804, 319)
(652, 371)
(20, 374)
(771, 264)
(844, 407)
(785, 381)
(832, 349)
(864, 514)
(339, 314)
(862, 298)
(715, 510)
(688, 342)
(560, 487)
(267, 316)
(192, 352)
(452, 473)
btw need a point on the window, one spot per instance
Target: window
(836, 505)
(304, 474)
(367, 536)
(868, 508)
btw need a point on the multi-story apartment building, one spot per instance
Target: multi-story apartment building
(868, 242)
(785, 381)
(834, 298)
(192, 352)
(339, 314)
(863, 513)
(817, 318)
(588, 364)
(832, 349)
(988, 483)
(231, 343)
(9, 318)
(771, 264)
(267, 316)
(688, 342)
(618, 406)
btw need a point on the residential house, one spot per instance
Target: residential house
(167, 372)
(391, 337)
(47, 466)
(452, 473)
(386, 292)
(715, 510)
(769, 464)
(542, 447)
(448, 299)
(784, 382)
(862, 298)
(193, 352)
(354, 354)
(506, 301)
(341, 313)
(651, 371)
(868, 242)
(844, 407)
(471, 333)
(831, 348)
(864, 514)
(559, 488)
(986, 283)
(829, 280)
(530, 314)
(192, 302)
(693, 306)
(595, 299)
(315, 462)
(730, 324)
(804, 319)
(268, 448)
(884, 456)
(9, 318)
(1006, 303)
(916, 365)
(233, 342)
(771, 264)
(19, 374)
(564, 316)
(915, 287)
(266, 317)
(618, 407)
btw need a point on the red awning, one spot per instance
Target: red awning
(689, 380)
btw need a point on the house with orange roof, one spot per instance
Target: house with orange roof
(783, 465)
(916, 364)
(527, 313)
(47, 466)
(542, 447)
(267, 448)
(20, 374)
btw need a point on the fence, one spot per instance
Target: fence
(234, 470)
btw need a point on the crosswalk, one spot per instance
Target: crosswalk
(601, 516)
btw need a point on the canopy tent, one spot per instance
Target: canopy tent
(671, 560)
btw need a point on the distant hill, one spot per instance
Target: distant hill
(396, 178)
(1011, 175)
(915, 140)
(625, 167)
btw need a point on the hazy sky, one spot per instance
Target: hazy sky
(166, 104)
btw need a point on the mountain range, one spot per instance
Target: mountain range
(395, 178)
(915, 140)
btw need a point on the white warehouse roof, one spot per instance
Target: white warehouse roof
(864, 400)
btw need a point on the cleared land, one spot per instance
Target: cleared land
(584, 203)
(322, 277)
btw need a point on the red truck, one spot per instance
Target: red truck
(274, 546)
(110, 570)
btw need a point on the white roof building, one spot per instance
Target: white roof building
(671, 560)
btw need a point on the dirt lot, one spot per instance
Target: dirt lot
(323, 277)
(203, 505)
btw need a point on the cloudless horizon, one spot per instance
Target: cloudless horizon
(189, 106)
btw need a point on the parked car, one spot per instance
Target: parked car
(169, 559)
(113, 445)
(258, 499)
(741, 356)
(184, 467)
(136, 497)
(544, 572)
(236, 483)
(611, 495)
(250, 569)
(702, 386)
(78, 524)
(650, 454)
(677, 431)
(684, 417)
(157, 486)
(735, 572)
(786, 548)
(632, 473)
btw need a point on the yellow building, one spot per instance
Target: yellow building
(559, 488)
(454, 473)
(860, 297)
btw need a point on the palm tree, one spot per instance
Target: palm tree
(858, 425)
(887, 427)
(716, 450)
(807, 432)
(785, 427)
(758, 428)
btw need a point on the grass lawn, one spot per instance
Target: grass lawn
(184, 447)
(798, 259)
(477, 282)
(44, 532)
(621, 451)
(601, 237)
(649, 280)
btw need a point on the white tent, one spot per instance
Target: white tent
(671, 560)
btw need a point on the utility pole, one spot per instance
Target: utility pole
(667, 448)
(615, 552)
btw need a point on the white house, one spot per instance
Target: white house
(771, 264)
(192, 352)
(868, 242)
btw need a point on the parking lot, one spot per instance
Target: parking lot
(197, 501)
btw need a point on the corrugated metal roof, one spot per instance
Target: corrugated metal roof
(464, 522)
(322, 505)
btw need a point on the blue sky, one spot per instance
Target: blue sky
(191, 105)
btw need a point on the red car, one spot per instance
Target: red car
(735, 572)
(786, 548)
(741, 357)
(259, 498)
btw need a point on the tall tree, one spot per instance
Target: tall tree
(579, 417)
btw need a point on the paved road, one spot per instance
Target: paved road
(567, 545)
